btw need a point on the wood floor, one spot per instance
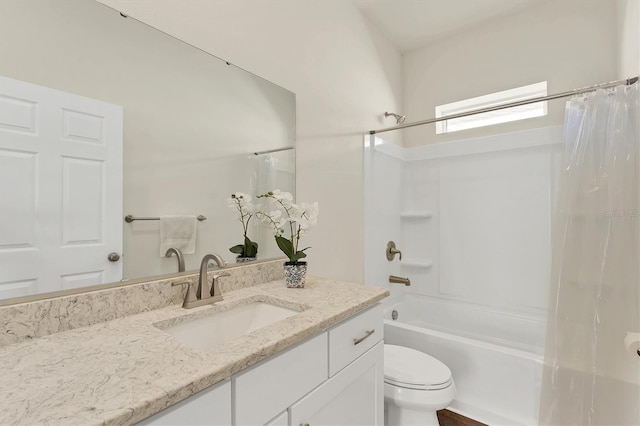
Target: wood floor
(449, 418)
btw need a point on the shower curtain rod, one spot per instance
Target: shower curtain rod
(573, 92)
(273, 150)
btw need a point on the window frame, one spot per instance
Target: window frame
(523, 112)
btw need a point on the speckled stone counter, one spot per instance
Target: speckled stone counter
(124, 370)
(25, 321)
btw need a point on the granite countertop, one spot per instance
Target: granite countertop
(125, 370)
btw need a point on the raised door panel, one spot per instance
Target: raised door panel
(82, 201)
(78, 126)
(18, 186)
(212, 406)
(266, 390)
(354, 396)
(18, 115)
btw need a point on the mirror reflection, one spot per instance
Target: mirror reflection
(103, 117)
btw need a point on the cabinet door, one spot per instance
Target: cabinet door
(354, 396)
(261, 393)
(211, 406)
(280, 420)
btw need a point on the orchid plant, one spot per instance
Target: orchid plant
(289, 222)
(246, 209)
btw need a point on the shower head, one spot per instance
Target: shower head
(399, 118)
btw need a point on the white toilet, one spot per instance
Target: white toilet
(416, 385)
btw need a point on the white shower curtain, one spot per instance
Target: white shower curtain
(590, 377)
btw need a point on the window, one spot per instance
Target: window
(537, 109)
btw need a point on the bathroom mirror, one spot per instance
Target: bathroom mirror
(102, 116)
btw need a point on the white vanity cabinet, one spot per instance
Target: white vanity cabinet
(354, 393)
(211, 406)
(353, 397)
(264, 391)
(334, 378)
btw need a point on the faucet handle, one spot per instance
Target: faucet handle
(392, 251)
(220, 275)
(191, 291)
(215, 289)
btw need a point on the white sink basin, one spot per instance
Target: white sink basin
(204, 333)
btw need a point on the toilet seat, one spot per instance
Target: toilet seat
(412, 369)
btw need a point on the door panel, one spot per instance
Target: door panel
(17, 115)
(17, 211)
(85, 279)
(353, 397)
(82, 194)
(61, 189)
(82, 127)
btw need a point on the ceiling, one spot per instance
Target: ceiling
(411, 24)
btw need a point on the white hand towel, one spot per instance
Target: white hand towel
(178, 232)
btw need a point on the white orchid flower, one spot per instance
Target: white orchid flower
(290, 218)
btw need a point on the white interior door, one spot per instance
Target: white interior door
(60, 190)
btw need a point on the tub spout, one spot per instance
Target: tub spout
(399, 280)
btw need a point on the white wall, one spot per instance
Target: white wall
(628, 38)
(569, 43)
(325, 53)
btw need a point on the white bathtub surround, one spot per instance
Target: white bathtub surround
(472, 217)
(473, 220)
(43, 317)
(382, 200)
(124, 370)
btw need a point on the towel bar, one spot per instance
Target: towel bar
(130, 218)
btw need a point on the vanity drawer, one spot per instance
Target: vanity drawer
(274, 385)
(354, 337)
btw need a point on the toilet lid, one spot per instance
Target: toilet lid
(413, 369)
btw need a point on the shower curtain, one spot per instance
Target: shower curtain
(590, 375)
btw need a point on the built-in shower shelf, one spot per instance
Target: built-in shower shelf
(417, 263)
(416, 214)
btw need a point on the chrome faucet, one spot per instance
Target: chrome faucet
(178, 254)
(203, 295)
(203, 292)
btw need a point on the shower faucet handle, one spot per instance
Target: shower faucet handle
(392, 251)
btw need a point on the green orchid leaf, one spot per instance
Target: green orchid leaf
(239, 249)
(300, 255)
(250, 248)
(286, 246)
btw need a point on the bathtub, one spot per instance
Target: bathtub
(495, 358)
